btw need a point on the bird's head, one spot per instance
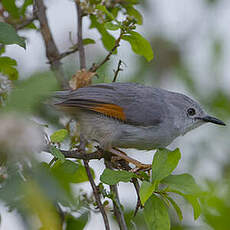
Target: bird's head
(189, 114)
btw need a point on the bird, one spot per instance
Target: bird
(131, 115)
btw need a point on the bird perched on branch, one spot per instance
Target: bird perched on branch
(129, 115)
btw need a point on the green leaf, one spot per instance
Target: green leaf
(25, 5)
(107, 39)
(184, 183)
(77, 223)
(176, 207)
(111, 26)
(8, 35)
(80, 175)
(164, 162)
(146, 190)
(70, 171)
(112, 177)
(133, 2)
(139, 45)
(193, 200)
(103, 9)
(130, 10)
(59, 136)
(88, 41)
(7, 68)
(27, 94)
(11, 7)
(57, 153)
(156, 214)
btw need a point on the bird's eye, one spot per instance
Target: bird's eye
(191, 111)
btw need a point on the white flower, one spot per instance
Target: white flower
(19, 135)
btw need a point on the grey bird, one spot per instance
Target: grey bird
(130, 115)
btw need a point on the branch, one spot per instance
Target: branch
(79, 36)
(51, 49)
(94, 67)
(25, 23)
(124, 165)
(77, 154)
(67, 53)
(137, 188)
(118, 212)
(117, 71)
(97, 195)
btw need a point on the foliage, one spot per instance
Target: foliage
(155, 198)
(47, 191)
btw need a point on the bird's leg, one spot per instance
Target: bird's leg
(117, 158)
(83, 143)
(120, 151)
(138, 164)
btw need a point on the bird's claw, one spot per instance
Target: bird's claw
(142, 167)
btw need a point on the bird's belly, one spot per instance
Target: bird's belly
(113, 133)
(144, 138)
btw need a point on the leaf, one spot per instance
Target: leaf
(10, 6)
(77, 223)
(112, 177)
(81, 79)
(146, 190)
(107, 39)
(39, 205)
(7, 68)
(27, 94)
(133, 2)
(9, 36)
(103, 9)
(111, 26)
(70, 171)
(139, 45)
(25, 5)
(176, 207)
(57, 153)
(184, 183)
(88, 41)
(164, 162)
(156, 214)
(193, 200)
(59, 136)
(135, 13)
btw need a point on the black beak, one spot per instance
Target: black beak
(212, 120)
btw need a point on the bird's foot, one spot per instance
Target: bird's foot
(141, 167)
(138, 164)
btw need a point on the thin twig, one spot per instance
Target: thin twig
(117, 71)
(137, 188)
(25, 23)
(79, 36)
(67, 53)
(118, 212)
(94, 67)
(124, 165)
(96, 195)
(51, 49)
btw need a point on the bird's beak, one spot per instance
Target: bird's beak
(212, 120)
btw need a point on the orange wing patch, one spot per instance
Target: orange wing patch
(110, 110)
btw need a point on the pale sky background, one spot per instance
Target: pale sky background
(176, 19)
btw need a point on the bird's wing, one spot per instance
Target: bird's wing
(128, 102)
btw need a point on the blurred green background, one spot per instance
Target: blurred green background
(190, 40)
